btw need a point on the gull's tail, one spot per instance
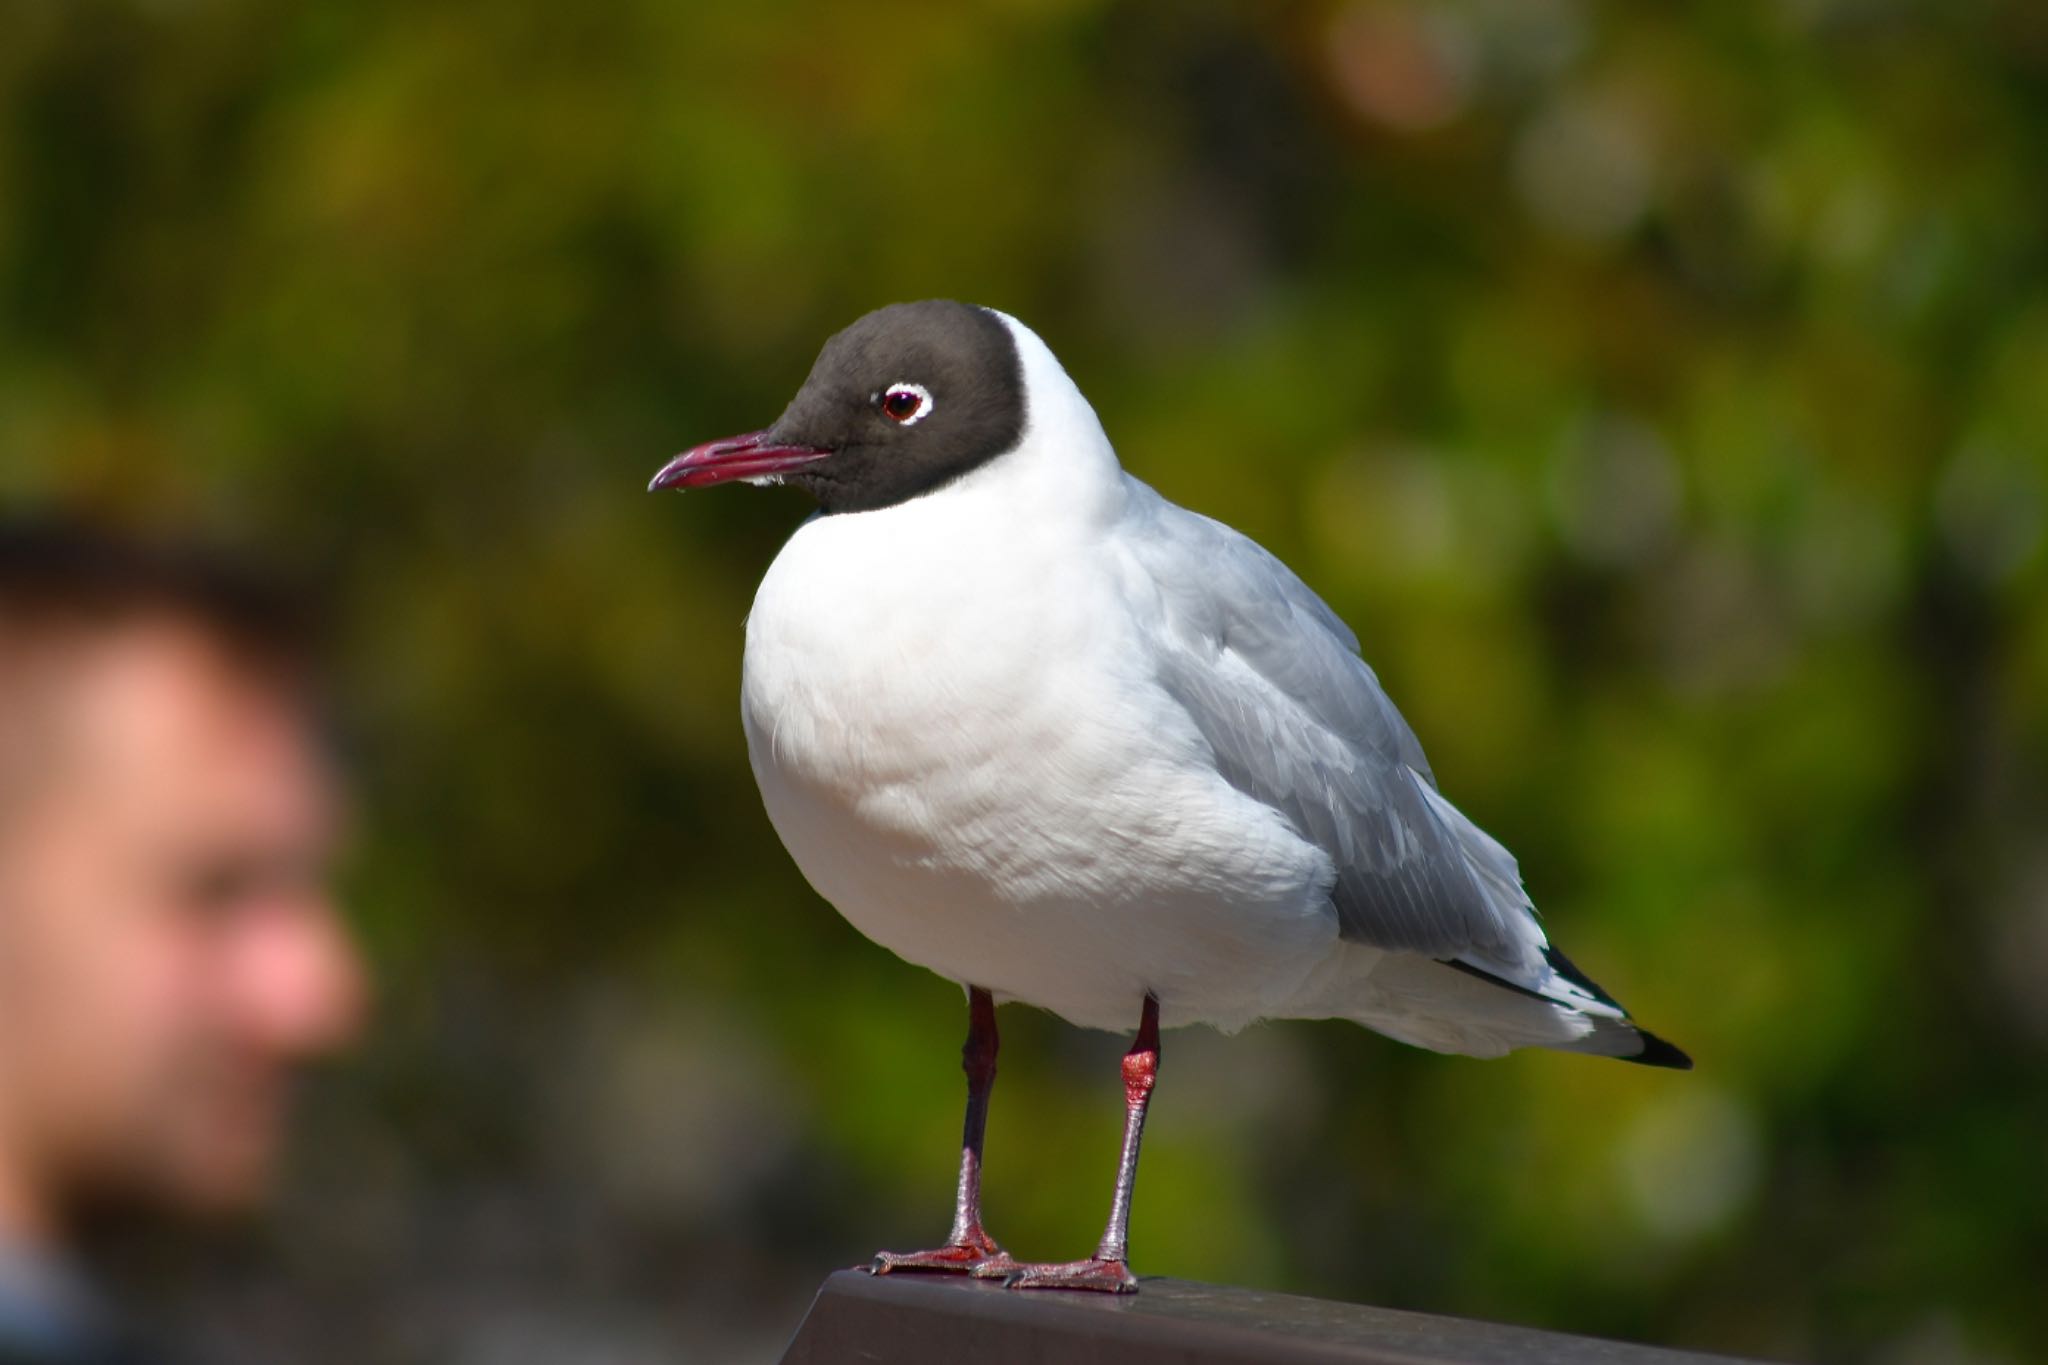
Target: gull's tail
(1571, 996)
(1482, 1011)
(1488, 1002)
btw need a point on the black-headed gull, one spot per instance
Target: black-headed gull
(1030, 725)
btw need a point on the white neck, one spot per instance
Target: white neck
(1063, 464)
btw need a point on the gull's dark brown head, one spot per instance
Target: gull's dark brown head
(905, 400)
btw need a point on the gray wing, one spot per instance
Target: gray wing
(1273, 681)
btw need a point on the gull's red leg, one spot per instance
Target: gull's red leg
(969, 1247)
(1108, 1269)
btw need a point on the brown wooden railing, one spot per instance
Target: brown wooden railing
(943, 1320)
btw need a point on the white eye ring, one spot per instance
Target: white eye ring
(903, 389)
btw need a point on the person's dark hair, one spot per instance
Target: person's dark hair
(62, 575)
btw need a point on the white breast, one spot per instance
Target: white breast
(956, 735)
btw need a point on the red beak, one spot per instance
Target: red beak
(751, 456)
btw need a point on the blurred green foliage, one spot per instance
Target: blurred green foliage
(1660, 391)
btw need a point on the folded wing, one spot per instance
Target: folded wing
(1273, 681)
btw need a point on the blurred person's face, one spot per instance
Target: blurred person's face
(168, 945)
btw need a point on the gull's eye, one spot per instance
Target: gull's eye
(906, 403)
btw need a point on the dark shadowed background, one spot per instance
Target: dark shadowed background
(1660, 392)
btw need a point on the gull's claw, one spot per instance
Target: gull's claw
(1098, 1275)
(977, 1256)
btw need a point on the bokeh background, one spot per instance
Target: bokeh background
(1659, 390)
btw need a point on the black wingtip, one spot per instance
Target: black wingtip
(1569, 970)
(1657, 1052)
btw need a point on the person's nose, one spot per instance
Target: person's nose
(300, 988)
